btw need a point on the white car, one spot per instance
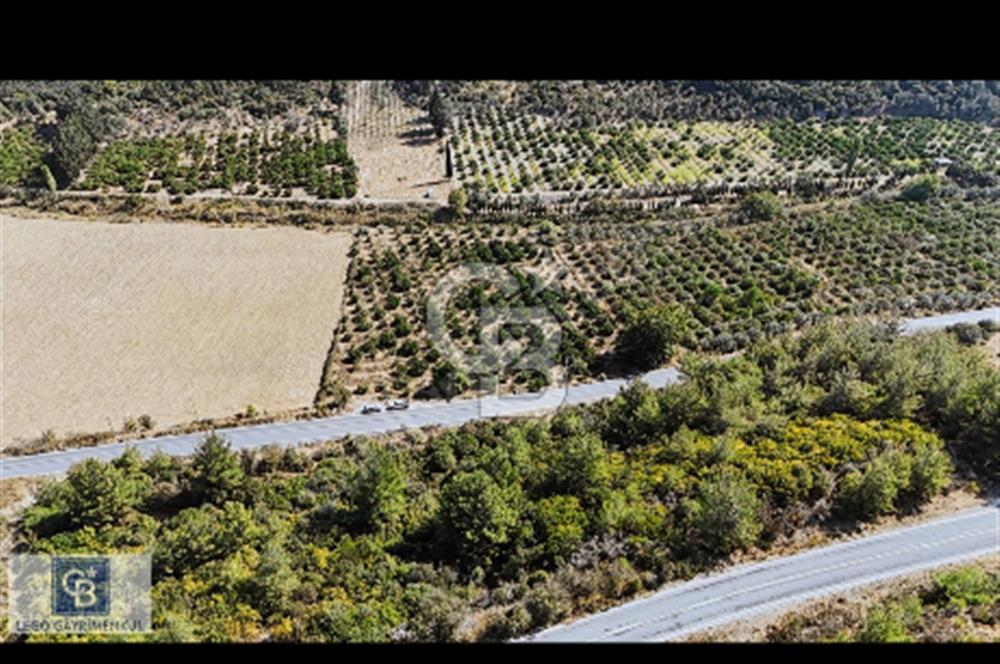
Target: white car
(398, 404)
(371, 408)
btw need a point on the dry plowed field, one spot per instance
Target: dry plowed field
(102, 322)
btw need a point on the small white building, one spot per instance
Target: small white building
(942, 161)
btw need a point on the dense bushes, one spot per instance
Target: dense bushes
(279, 162)
(79, 132)
(587, 103)
(217, 474)
(921, 189)
(650, 335)
(187, 98)
(495, 528)
(21, 155)
(760, 206)
(726, 514)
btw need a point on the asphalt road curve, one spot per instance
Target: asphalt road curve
(763, 588)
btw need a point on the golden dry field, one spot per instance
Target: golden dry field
(103, 322)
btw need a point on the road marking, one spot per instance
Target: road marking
(741, 572)
(829, 568)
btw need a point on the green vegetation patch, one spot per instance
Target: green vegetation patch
(497, 528)
(188, 164)
(960, 605)
(21, 154)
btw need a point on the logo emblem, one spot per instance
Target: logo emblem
(81, 586)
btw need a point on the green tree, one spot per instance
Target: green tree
(175, 627)
(581, 468)
(479, 517)
(197, 535)
(274, 580)
(449, 379)
(852, 155)
(718, 395)
(343, 621)
(726, 514)
(217, 474)
(434, 613)
(921, 188)
(872, 492)
(849, 394)
(99, 493)
(80, 129)
(761, 206)
(635, 416)
(378, 492)
(931, 471)
(561, 525)
(440, 113)
(967, 586)
(458, 200)
(650, 334)
(48, 178)
(888, 624)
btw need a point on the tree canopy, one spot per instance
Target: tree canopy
(651, 333)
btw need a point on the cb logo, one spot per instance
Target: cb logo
(81, 586)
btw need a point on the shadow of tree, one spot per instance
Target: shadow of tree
(417, 137)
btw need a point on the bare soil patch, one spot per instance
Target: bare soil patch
(103, 322)
(394, 146)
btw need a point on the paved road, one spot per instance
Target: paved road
(762, 588)
(419, 415)
(913, 325)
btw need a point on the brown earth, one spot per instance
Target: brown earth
(103, 322)
(394, 146)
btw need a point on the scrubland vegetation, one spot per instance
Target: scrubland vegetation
(499, 528)
(591, 103)
(179, 136)
(958, 605)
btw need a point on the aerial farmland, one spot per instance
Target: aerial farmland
(106, 323)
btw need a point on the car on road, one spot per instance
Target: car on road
(398, 404)
(371, 408)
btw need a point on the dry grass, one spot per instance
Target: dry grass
(18, 493)
(181, 322)
(394, 146)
